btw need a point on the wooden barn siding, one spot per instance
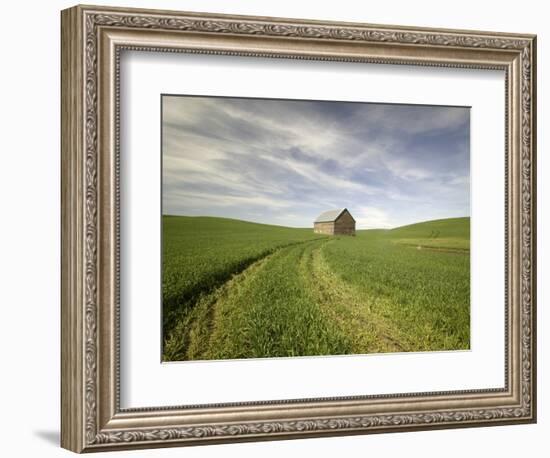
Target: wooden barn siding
(324, 228)
(344, 225)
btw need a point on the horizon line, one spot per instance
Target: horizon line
(309, 227)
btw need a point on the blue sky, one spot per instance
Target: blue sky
(286, 161)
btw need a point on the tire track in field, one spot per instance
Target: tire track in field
(177, 307)
(269, 313)
(354, 312)
(191, 337)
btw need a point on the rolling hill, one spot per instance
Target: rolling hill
(235, 289)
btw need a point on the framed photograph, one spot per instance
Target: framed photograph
(279, 228)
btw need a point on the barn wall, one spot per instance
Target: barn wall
(324, 228)
(344, 225)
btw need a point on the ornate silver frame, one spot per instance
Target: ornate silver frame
(92, 39)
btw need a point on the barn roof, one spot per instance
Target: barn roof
(331, 215)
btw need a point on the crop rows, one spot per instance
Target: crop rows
(240, 290)
(200, 254)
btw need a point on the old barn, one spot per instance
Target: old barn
(335, 222)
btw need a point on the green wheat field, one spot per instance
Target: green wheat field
(233, 289)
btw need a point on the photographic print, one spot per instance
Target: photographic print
(311, 228)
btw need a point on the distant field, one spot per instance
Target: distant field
(233, 289)
(452, 233)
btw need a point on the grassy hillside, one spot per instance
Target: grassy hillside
(233, 289)
(452, 233)
(201, 253)
(424, 293)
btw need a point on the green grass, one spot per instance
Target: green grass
(451, 234)
(201, 253)
(424, 293)
(269, 313)
(233, 289)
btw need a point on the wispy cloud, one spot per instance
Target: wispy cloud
(372, 217)
(283, 161)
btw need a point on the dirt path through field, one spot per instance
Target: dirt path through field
(192, 336)
(355, 313)
(289, 303)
